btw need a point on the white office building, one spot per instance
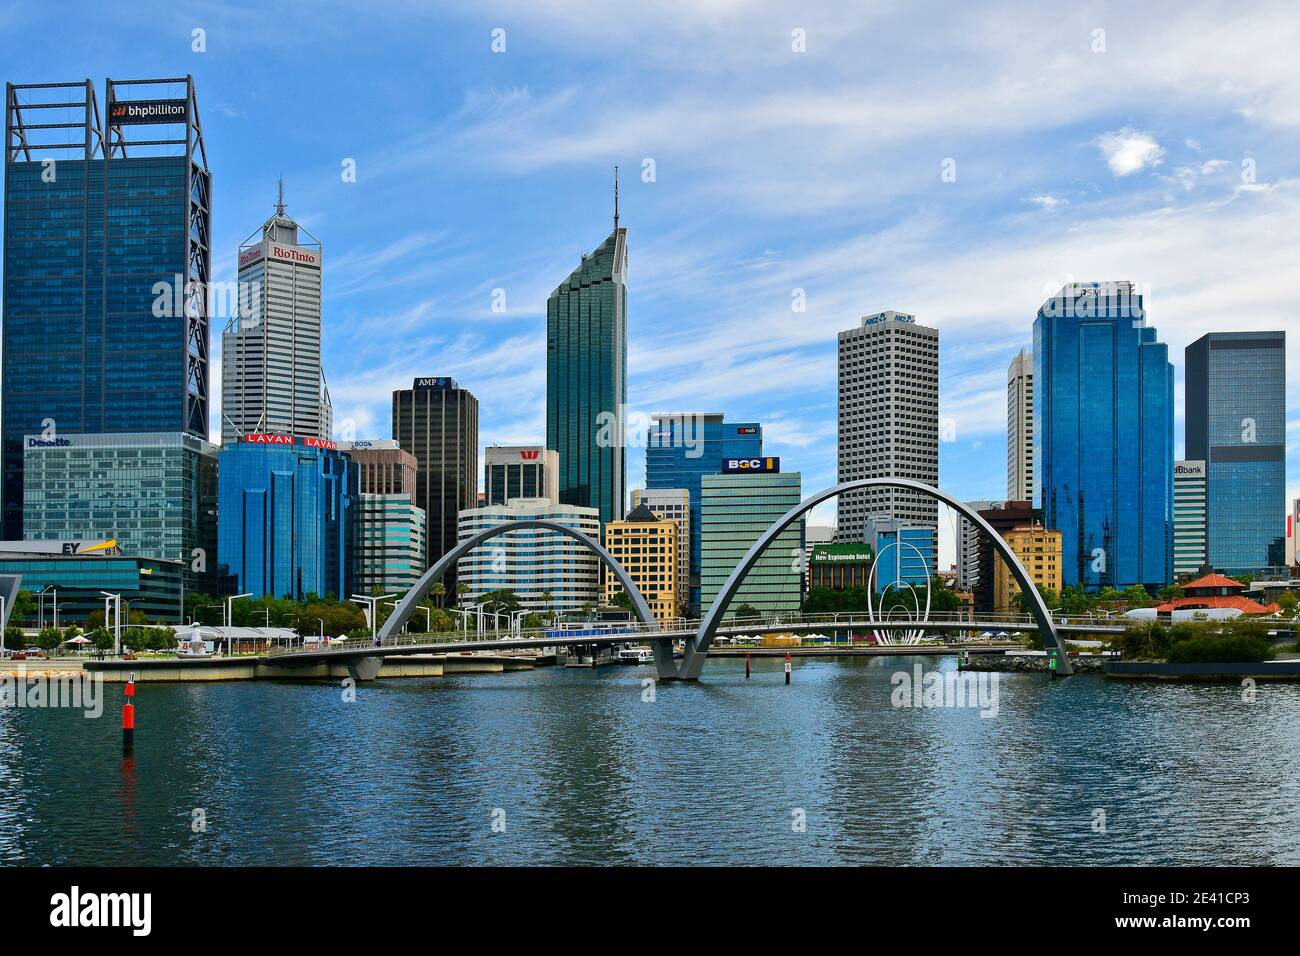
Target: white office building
(546, 569)
(888, 421)
(968, 547)
(271, 374)
(1020, 427)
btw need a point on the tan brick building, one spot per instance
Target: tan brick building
(1039, 550)
(647, 547)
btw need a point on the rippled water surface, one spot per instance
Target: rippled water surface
(581, 770)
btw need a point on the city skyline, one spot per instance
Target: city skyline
(1138, 181)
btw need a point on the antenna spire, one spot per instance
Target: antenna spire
(615, 198)
(279, 203)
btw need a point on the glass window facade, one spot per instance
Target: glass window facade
(734, 511)
(1104, 436)
(681, 449)
(85, 349)
(1235, 392)
(155, 493)
(151, 587)
(586, 379)
(286, 519)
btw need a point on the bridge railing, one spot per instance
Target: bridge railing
(676, 628)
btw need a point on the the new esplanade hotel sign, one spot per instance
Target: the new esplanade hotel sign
(307, 441)
(125, 112)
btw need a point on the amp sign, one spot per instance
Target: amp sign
(734, 466)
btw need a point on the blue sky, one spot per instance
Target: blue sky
(1079, 155)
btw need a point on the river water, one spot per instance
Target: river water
(577, 766)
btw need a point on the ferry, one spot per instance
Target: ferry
(636, 655)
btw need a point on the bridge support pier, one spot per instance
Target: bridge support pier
(365, 668)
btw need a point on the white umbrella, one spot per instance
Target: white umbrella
(77, 640)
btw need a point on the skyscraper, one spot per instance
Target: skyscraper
(888, 421)
(1020, 427)
(106, 266)
(286, 516)
(1236, 423)
(271, 374)
(683, 447)
(437, 421)
(1104, 436)
(586, 378)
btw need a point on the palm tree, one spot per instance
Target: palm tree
(461, 590)
(439, 592)
(546, 604)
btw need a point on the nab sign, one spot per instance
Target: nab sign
(735, 466)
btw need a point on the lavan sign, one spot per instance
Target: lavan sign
(262, 438)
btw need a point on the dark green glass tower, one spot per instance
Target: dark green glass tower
(586, 378)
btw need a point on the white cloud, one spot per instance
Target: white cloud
(1049, 202)
(1129, 150)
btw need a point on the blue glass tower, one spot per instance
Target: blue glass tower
(285, 516)
(682, 448)
(1235, 391)
(586, 378)
(106, 266)
(1104, 436)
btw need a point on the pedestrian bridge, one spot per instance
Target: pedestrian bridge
(955, 630)
(697, 635)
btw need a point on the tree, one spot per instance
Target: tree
(439, 591)
(622, 599)
(49, 638)
(1170, 592)
(1048, 595)
(24, 607)
(102, 638)
(15, 639)
(1288, 602)
(461, 590)
(1136, 596)
(746, 611)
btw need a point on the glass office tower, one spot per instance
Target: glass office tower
(285, 513)
(735, 509)
(106, 266)
(682, 448)
(1104, 436)
(154, 493)
(586, 378)
(1236, 423)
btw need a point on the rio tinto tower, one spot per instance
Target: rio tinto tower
(271, 374)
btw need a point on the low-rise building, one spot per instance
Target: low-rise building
(646, 546)
(547, 570)
(840, 566)
(72, 575)
(1039, 550)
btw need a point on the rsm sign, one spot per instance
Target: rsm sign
(732, 466)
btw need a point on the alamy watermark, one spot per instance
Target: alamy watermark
(22, 690)
(927, 689)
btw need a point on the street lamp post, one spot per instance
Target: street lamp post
(230, 621)
(117, 619)
(428, 615)
(372, 603)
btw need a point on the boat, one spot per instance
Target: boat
(636, 655)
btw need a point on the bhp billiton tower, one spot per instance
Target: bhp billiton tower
(106, 266)
(586, 378)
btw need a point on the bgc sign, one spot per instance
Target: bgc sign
(735, 466)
